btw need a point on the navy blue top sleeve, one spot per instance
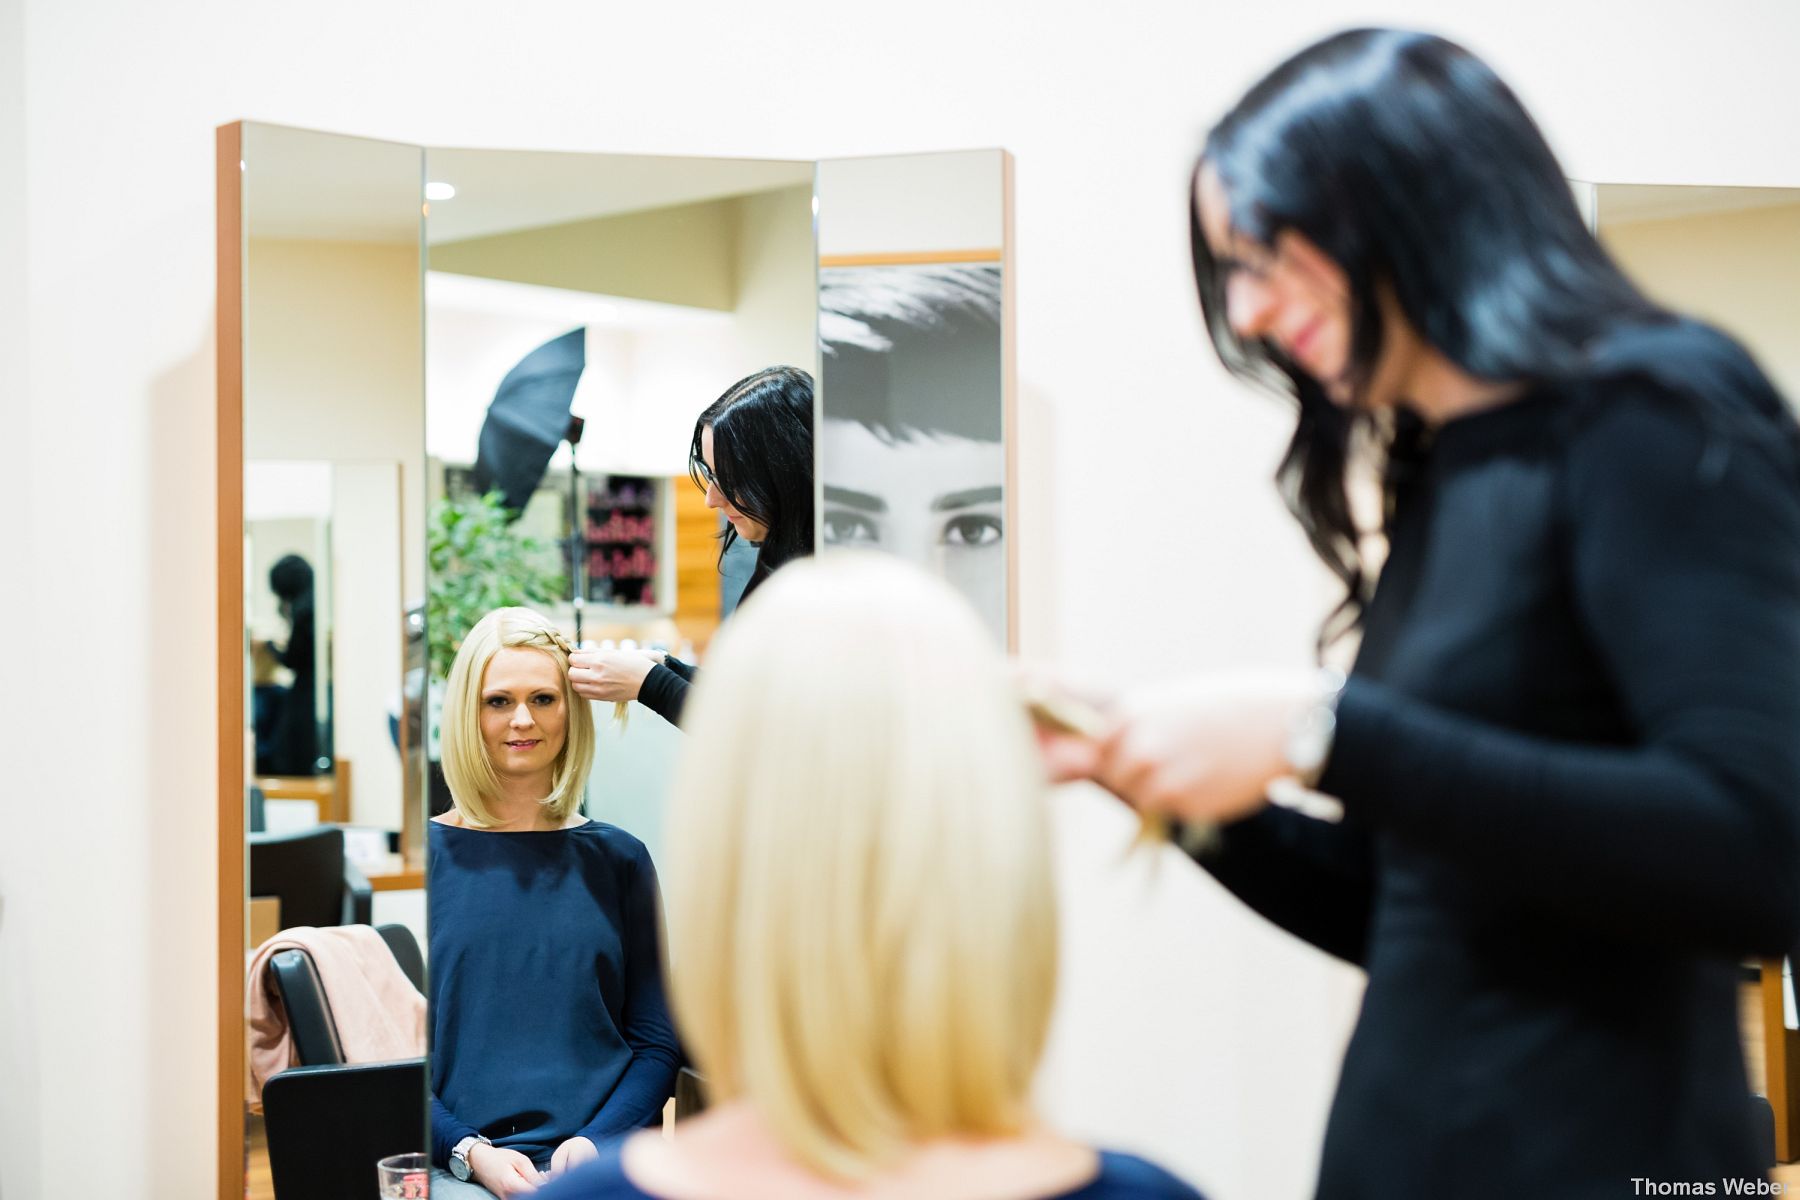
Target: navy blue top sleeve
(664, 691)
(638, 1098)
(1686, 581)
(547, 1013)
(446, 1131)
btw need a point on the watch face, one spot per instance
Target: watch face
(459, 1166)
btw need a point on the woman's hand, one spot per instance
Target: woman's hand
(503, 1172)
(571, 1154)
(610, 676)
(1203, 750)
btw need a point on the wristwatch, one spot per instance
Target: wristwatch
(1309, 739)
(459, 1156)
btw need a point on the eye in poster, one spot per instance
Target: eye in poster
(911, 452)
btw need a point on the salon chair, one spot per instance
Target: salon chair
(329, 1122)
(329, 1126)
(317, 885)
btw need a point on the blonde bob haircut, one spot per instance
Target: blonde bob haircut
(862, 916)
(467, 767)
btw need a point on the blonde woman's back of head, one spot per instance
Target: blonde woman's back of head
(862, 914)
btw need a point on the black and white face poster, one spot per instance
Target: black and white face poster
(910, 452)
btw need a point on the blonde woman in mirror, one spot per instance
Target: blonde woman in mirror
(862, 916)
(550, 1032)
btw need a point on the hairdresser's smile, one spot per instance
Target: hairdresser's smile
(1290, 295)
(1302, 343)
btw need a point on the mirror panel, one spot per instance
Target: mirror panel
(582, 311)
(331, 452)
(1723, 254)
(672, 278)
(914, 321)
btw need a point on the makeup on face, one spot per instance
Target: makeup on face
(524, 717)
(747, 528)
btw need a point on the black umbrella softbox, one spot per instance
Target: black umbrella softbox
(528, 418)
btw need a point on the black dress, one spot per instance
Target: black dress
(1569, 758)
(294, 739)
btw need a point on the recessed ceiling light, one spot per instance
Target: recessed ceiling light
(440, 191)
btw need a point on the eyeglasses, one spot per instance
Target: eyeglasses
(703, 474)
(1258, 265)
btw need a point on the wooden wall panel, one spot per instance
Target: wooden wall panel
(229, 458)
(697, 603)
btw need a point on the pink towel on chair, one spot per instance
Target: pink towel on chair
(380, 1015)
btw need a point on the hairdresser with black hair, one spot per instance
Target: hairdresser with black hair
(752, 454)
(1569, 751)
(292, 720)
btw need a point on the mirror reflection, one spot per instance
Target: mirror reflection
(333, 488)
(1720, 253)
(911, 448)
(287, 550)
(604, 491)
(513, 453)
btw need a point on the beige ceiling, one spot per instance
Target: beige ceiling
(502, 190)
(302, 184)
(1620, 203)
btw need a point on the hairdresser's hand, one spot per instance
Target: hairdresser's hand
(610, 676)
(571, 1154)
(503, 1172)
(1205, 749)
(1069, 720)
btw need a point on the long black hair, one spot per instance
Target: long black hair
(763, 461)
(1413, 167)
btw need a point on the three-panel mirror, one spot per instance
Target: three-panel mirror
(458, 380)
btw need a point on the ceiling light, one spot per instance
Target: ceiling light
(440, 191)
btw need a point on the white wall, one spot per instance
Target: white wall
(1188, 1028)
(368, 636)
(25, 922)
(332, 369)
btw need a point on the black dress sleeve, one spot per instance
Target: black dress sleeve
(664, 690)
(1313, 878)
(1684, 572)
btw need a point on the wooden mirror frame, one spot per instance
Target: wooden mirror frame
(229, 458)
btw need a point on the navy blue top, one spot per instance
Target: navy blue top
(1121, 1177)
(547, 1013)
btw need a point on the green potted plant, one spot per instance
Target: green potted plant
(478, 561)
